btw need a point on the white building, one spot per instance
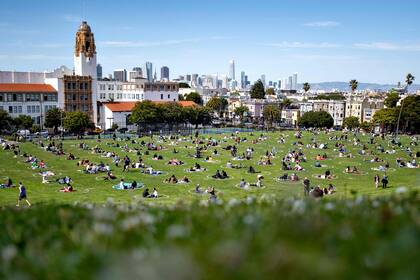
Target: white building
(33, 100)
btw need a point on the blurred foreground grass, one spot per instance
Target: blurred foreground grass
(259, 237)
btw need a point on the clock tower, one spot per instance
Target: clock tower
(85, 52)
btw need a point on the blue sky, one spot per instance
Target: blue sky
(369, 40)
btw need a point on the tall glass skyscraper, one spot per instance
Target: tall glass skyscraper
(149, 71)
(232, 69)
(164, 73)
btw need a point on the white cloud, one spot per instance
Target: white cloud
(144, 44)
(387, 46)
(322, 24)
(303, 45)
(72, 18)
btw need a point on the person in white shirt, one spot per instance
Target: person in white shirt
(154, 193)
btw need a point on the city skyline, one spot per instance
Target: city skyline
(319, 45)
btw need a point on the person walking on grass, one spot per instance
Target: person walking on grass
(306, 186)
(22, 195)
(384, 181)
(376, 179)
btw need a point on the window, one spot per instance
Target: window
(28, 109)
(161, 96)
(10, 109)
(169, 96)
(1, 97)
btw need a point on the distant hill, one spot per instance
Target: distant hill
(344, 86)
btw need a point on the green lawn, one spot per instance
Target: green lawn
(92, 188)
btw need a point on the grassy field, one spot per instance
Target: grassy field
(356, 238)
(93, 189)
(96, 232)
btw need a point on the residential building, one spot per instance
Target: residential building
(290, 117)
(34, 100)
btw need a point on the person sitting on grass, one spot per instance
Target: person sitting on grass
(198, 189)
(298, 167)
(71, 157)
(172, 179)
(251, 170)
(243, 184)
(294, 177)
(331, 189)
(184, 180)
(9, 183)
(217, 175)
(317, 164)
(110, 176)
(259, 183)
(212, 192)
(317, 192)
(67, 188)
(154, 193)
(146, 193)
(121, 185)
(133, 185)
(64, 180)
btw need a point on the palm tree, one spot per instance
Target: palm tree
(286, 103)
(409, 79)
(306, 88)
(353, 85)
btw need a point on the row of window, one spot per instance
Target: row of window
(20, 97)
(82, 108)
(74, 86)
(74, 97)
(30, 109)
(134, 87)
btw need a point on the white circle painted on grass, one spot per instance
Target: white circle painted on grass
(285, 181)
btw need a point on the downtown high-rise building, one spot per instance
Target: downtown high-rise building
(135, 74)
(243, 84)
(294, 81)
(263, 79)
(149, 71)
(99, 71)
(290, 82)
(164, 73)
(120, 75)
(232, 69)
(194, 80)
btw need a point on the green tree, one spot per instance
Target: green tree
(306, 88)
(386, 118)
(286, 103)
(6, 120)
(172, 113)
(183, 85)
(270, 91)
(77, 122)
(392, 99)
(318, 119)
(145, 112)
(194, 96)
(351, 122)
(180, 97)
(366, 126)
(35, 128)
(114, 126)
(198, 115)
(410, 116)
(271, 113)
(218, 105)
(257, 90)
(53, 118)
(408, 80)
(24, 121)
(353, 84)
(240, 111)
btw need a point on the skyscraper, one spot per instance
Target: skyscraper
(243, 84)
(99, 71)
(120, 75)
(232, 69)
(290, 83)
(294, 84)
(135, 74)
(164, 73)
(194, 80)
(263, 79)
(149, 71)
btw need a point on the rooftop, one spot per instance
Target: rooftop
(29, 88)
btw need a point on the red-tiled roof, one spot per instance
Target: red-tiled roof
(27, 88)
(128, 106)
